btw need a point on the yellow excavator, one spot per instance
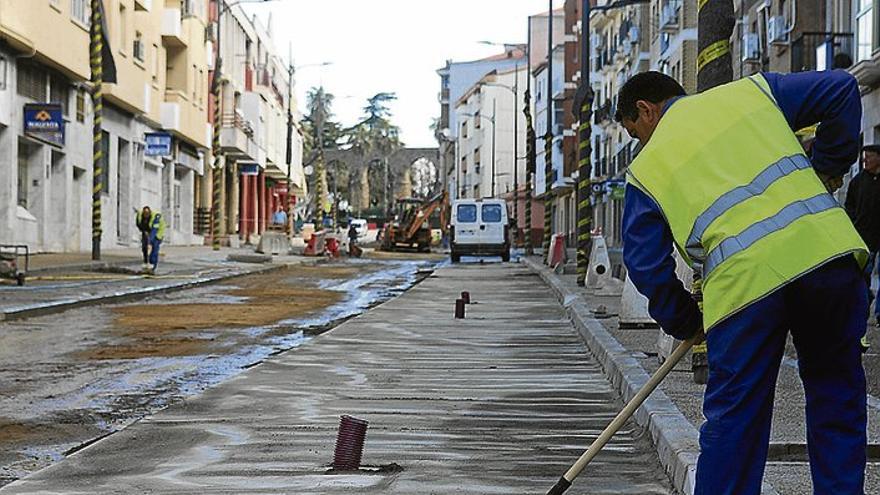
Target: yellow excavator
(411, 226)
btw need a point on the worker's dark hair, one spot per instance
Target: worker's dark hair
(649, 86)
(873, 148)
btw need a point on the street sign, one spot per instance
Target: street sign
(618, 191)
(157, 144)
(249, 168)
(44, 121)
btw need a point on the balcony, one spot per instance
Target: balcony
(867, 72)
(669, 16)
(818, 51)
(170, 110)
(236, 135)
(172, 28)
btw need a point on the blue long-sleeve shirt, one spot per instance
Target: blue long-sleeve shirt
(805, 98)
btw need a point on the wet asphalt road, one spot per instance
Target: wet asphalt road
(501, 402)
(53, 400)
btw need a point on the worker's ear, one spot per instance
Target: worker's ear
(646, 110)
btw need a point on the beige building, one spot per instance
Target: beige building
(161, 59)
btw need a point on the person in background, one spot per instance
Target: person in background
(152, 227)
(279, 217)
(863, 207)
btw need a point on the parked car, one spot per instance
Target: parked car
(360, 225)
(479, 228)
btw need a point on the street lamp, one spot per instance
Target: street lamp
(492, 120)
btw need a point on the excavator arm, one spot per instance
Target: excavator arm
(424, 213)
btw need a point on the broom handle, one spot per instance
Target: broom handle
(622, 417)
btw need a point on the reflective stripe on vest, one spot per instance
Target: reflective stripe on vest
(740, 196)
(756, 187)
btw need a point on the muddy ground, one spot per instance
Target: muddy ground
(70, 378)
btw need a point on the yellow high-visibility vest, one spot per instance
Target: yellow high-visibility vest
(742, 200)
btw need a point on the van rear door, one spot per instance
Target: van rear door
(492, 221)
(467, 227)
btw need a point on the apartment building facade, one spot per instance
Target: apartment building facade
(156, 131)
(491, 126)
(255, 95)
(45, 201)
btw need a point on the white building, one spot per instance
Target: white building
(490, 125)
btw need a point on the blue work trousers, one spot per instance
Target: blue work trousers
(154, 252)
(825, 312)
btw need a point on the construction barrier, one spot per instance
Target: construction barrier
(599, 279)
(557, 253)
(316, 244)
(634, 308)
(274, 242)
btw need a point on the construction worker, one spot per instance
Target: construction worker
(152, 227)
(722, 178)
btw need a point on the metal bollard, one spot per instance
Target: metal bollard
(459, 308)
(466, 297)
(349, 443)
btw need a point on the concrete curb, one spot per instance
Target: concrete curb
(675, 438)
(41, 309)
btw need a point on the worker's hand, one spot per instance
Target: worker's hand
(831, 183)
(699, 337)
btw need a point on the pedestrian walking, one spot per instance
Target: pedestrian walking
(152, 228)
(722, 178)
(863, 207)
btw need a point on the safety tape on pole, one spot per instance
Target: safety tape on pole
(700, 4)
(712, 52)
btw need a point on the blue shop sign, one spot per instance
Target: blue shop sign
(44, 121)
(249, 168)
(157, 144)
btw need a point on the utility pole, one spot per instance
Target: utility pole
(583, 104)
(98, 158)
(715, 23)
(548, 139)
(531, 140)
(516, 156)
(290, 73)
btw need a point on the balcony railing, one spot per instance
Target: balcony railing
(238, 121)
(814, 51)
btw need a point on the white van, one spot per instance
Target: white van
(479, 228)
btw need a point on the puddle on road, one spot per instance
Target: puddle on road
(129, 383)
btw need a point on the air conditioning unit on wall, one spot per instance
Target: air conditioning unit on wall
(751, 48)
(776, 29)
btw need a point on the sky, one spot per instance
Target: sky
(391, 46)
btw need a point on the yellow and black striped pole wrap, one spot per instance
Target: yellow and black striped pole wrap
(217, 169)
(548, 196)
(584, 186)
(531, 158)
(96, 60)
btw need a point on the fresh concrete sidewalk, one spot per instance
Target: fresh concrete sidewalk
(499, 403)
(674, 413)
(64, 281)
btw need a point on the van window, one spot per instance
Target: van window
(492, 213)
(467, 213)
